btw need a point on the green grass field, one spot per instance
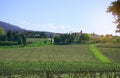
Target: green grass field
(36, 39)
(68, 53)
(112, 51)
(97, 53)
(59, 61)
(35, 42)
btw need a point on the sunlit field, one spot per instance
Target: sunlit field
(59, 39)
(56, 61)
(67, 53)
(112, 51)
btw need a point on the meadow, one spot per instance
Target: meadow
(67, 53)
(41, 59)
(34, 42)
(57, 61)
(110, 50)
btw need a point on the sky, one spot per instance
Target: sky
(61, 16)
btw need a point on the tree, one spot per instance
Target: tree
(4, 38)
(57, 39)
(20, 40)
(23, 39)
(43, 35)
(85, 37)
(114, 8)
(2, 33)
(15, 35)
(10, 36)
(51, 37)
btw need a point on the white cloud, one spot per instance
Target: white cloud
(47, 27)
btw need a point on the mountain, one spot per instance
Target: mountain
(8, 26)
(11, 27)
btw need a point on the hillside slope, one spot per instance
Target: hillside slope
(11, 27)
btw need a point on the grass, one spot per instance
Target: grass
(35, 42)
(60, 66)
(56, 61)
(67, 53)
(36, 39)
(98, 54)
(58, 70)
(110, 50)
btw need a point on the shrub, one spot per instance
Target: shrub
(7, 43)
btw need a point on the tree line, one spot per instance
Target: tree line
(35, 34)
(71, 38)
(76, 38)
(11, 38)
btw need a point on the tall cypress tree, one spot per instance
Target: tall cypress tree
(10, 36)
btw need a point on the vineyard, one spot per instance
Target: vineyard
(67, 53)
(111, 51)
(59, 70)
(56, 61)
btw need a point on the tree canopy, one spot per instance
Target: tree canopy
(72, 38)
(114, 8)
(12, 38)
(2, 33)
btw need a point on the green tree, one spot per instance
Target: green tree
(43, 35)
(116, 39)
(20, 40)
(15, 34)
(51, 37)
(85, 37)
(57, 39)
(23, 39)
(4, 38)
(72, 38)
(114, 8)
(2, 33)
(10, 36)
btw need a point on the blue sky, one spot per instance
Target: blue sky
(59, 15)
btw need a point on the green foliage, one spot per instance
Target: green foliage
(72, 38)
(2, 33)
(116, 39)
(114, 8)
(85, 37)
(105, 40)
(35, 42)
(110, 39)
(59, 69)
(23, 39)
(10, 36)
(4, 38)
(7, 43)
(33, 34)
(43, 35)
(57, 39)
(20, 40)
